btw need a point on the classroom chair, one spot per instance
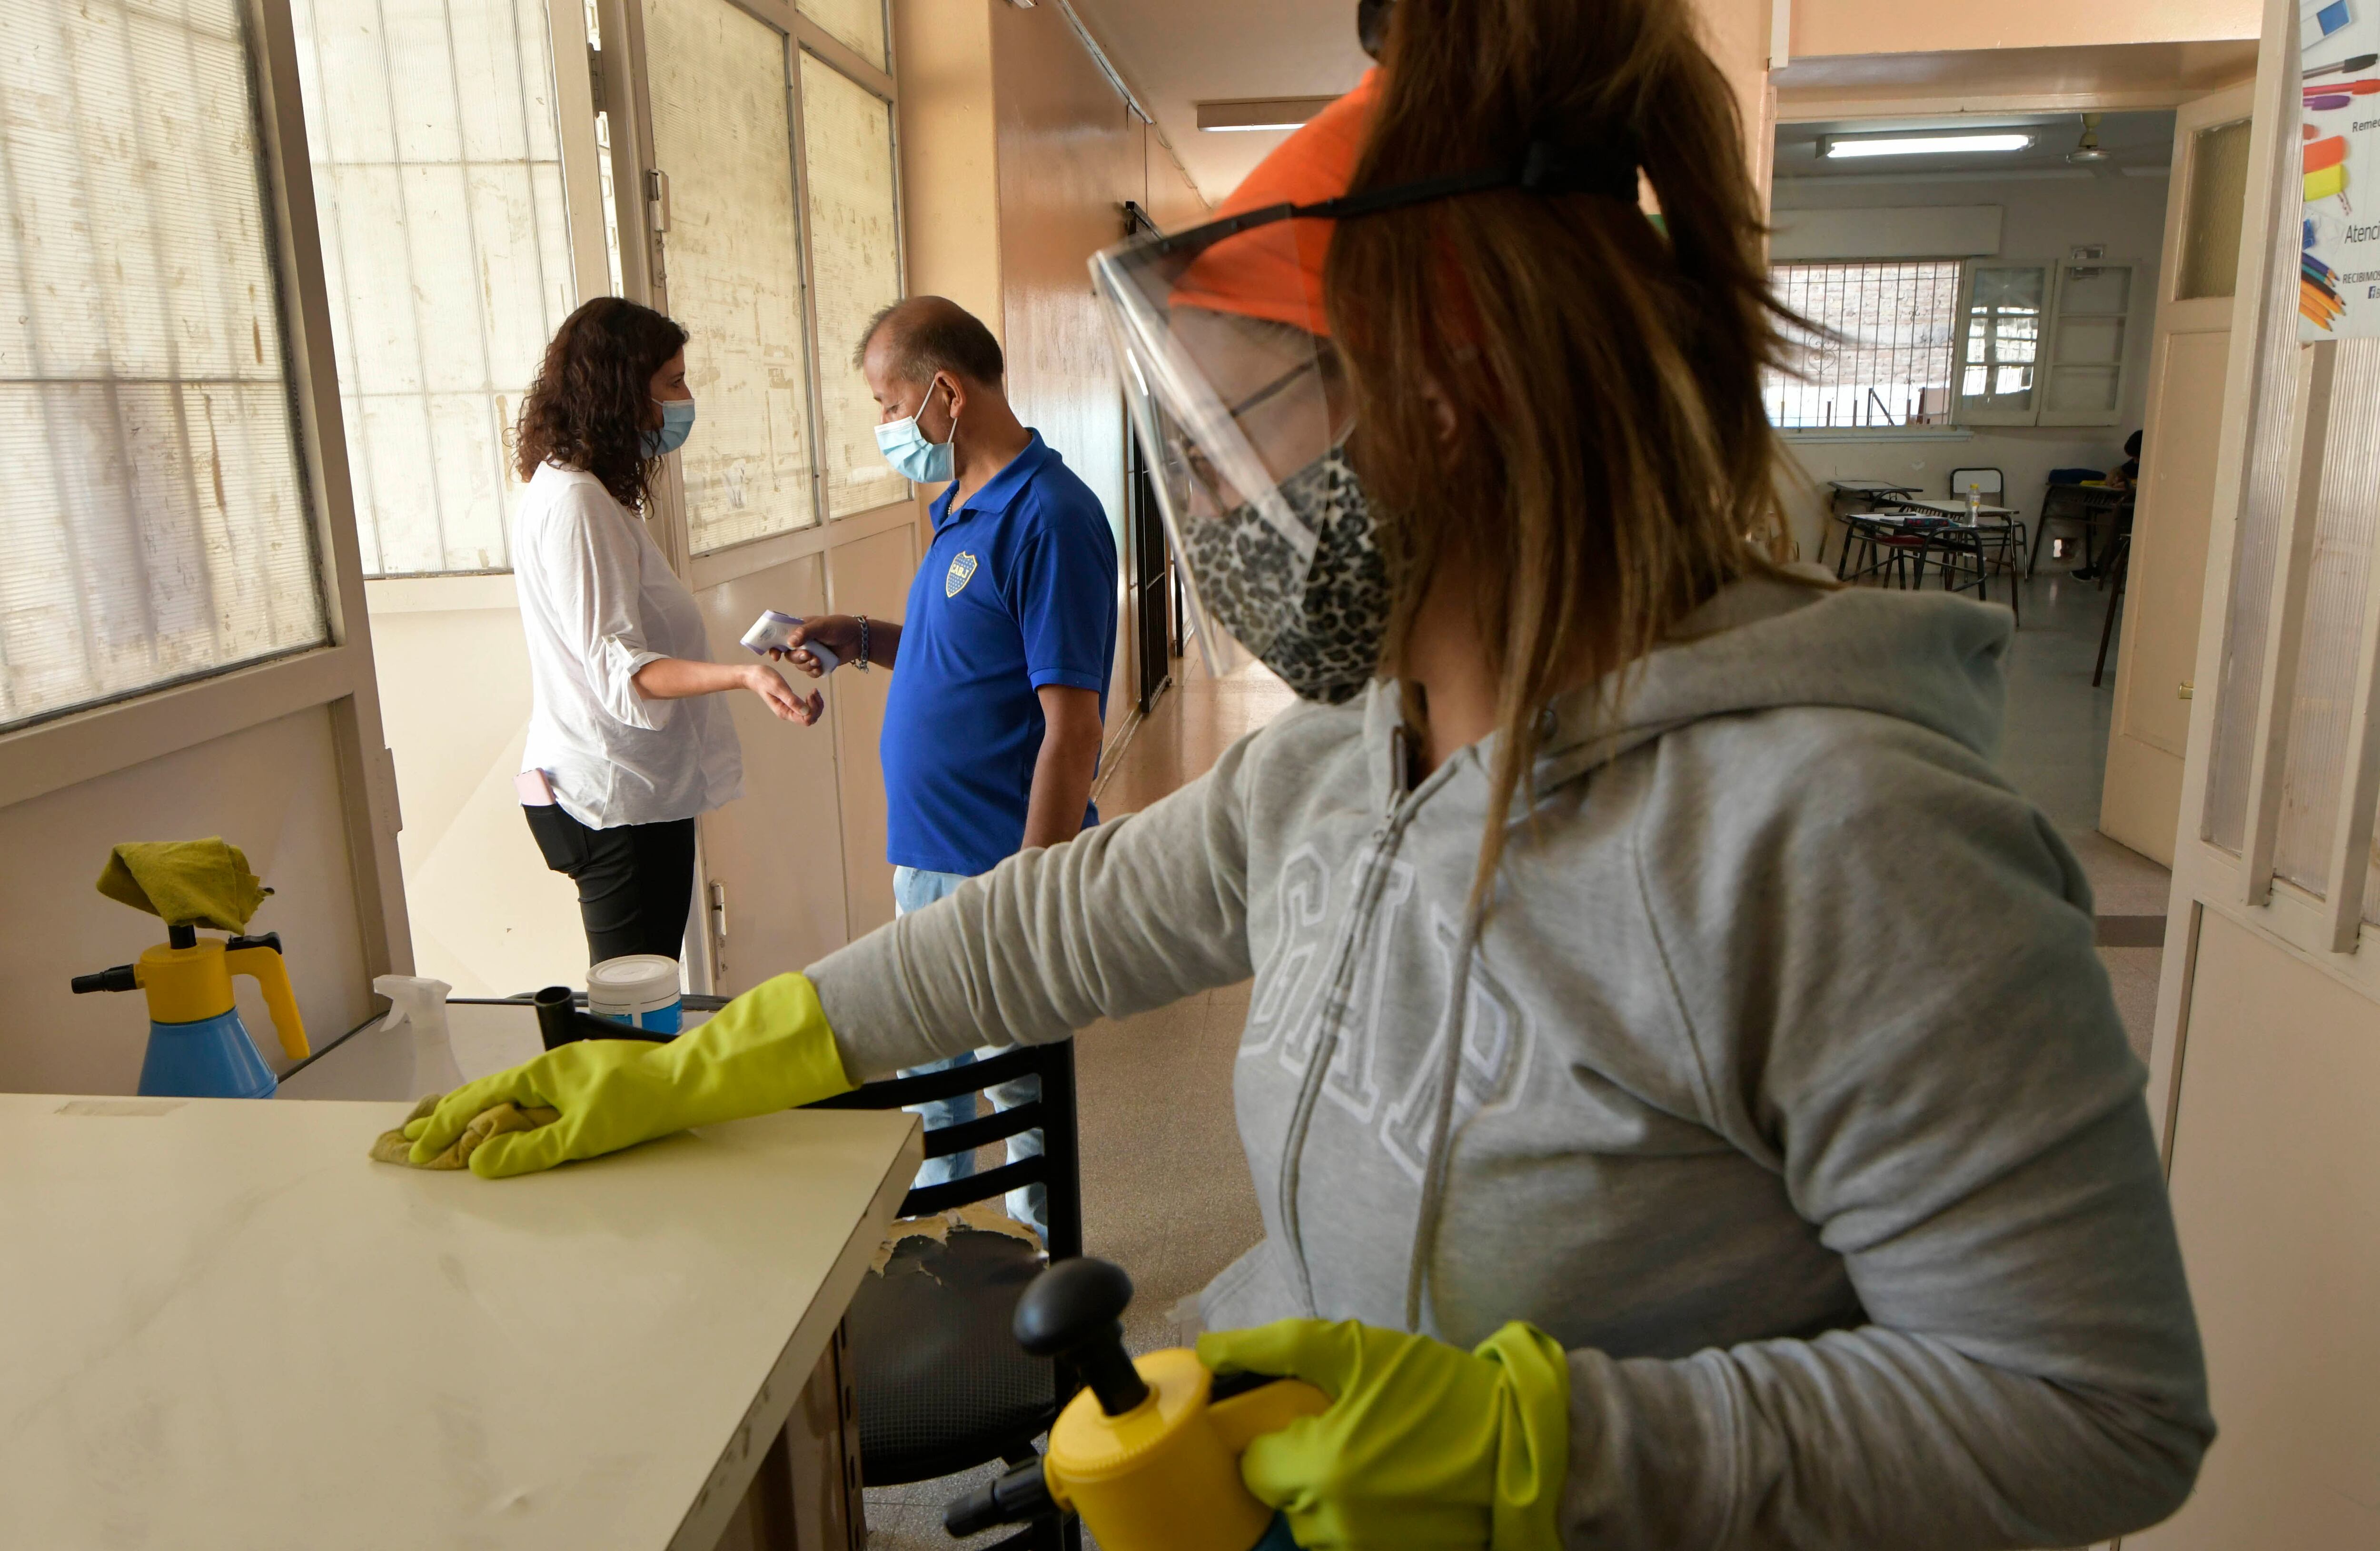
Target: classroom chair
(943, 1386)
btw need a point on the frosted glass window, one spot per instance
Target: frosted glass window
(2334, 620)
(152, 512)
(722, 134)
(446, 249)
(855, 258)
(2001, 344)
(2258, 541)
(2218, 197)
(859, 23)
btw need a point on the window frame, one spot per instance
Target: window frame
(81, 745)
(2045, 361)
(2052, 362)
(643, 269)
(1964, 410)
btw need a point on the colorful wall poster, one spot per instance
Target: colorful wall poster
(2338, 153)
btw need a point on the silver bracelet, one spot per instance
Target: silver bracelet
(863, 643)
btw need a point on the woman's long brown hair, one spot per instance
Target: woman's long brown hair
(1550, 396)
(592, 401)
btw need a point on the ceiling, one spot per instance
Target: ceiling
(2108, 76)
(2133, 140)
(1177, 56)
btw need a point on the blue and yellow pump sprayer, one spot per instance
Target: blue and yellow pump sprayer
(1148, 1454)
(198, 1045)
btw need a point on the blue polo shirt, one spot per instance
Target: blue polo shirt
(1018, 591)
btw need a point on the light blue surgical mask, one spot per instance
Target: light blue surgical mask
(912, 457)
(677, 424)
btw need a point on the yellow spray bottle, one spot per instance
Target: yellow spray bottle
(1149, 1453)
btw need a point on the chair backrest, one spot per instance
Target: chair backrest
(1059, 1168)
(1985, 482)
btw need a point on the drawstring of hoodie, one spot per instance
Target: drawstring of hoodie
(1436, 1161)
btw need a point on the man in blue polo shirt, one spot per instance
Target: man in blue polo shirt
(1001, 664)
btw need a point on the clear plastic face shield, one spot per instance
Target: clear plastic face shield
(1243, 406)
(1236, 393)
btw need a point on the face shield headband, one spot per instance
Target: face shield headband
(1241, 407)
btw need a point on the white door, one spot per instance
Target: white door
(2196, 281)
(755, 169)
(2265, 1080)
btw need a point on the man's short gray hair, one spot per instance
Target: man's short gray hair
(926, 334)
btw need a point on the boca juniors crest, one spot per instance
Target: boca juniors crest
(961, 572)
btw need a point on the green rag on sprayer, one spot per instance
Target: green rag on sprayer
(198, 1045)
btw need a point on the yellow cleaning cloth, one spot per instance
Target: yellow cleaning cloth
(393, 1146)
(188, 882)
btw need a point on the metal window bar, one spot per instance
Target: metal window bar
(1881, 351)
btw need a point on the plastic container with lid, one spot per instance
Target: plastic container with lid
(637, 988)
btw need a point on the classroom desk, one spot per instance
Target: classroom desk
(226, 1328)
(1955, 509)
(1869, 487)
(1861, 495)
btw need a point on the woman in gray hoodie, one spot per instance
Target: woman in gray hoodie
(1656, 988)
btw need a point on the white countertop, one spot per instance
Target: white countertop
(226, 1328)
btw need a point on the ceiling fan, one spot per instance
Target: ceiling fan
(2088, 152)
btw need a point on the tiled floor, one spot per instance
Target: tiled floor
(1166, 1191)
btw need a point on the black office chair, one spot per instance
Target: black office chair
(2065, 499)
(941, 1384)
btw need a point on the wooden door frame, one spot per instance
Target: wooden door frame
(2321, 933)
(2170, 318)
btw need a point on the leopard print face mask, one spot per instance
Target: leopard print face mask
(1324, 639)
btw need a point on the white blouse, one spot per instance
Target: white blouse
(597, 601)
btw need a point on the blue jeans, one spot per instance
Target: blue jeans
(914, 889)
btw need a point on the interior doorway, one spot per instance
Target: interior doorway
(2005, 289)
(2014, 296)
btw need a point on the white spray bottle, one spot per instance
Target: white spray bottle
(421, 1005)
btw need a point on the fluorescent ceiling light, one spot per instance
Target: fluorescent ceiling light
(1836, 148)
(1261, 112)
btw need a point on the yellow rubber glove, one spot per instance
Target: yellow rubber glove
(768, 1049)
(1425, 1445)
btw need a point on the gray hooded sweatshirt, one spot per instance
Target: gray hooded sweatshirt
(1786, 1088)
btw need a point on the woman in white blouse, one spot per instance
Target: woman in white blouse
(625, 747)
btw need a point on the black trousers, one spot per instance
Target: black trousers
(635, 882)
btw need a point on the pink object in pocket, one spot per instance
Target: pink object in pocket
(534, 789)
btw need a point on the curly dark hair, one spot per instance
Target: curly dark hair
(592, 403)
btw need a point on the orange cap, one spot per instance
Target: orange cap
(1276, 273)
